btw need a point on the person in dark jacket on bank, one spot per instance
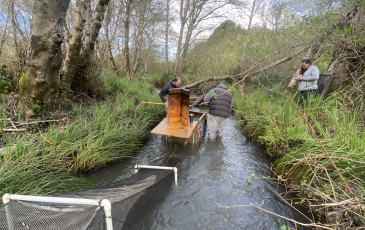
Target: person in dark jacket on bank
(165, 90)
(220, 107)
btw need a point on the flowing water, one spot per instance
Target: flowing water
(224, 172)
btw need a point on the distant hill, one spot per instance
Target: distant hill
(220, 53)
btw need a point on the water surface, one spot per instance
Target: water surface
(211, 175)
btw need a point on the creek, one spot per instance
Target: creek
(225, 172)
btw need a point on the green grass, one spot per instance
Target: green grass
(269, 119)
(159, 80)
(53, 160)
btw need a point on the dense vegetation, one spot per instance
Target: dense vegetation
(51, 160)
(85, 63)
(270, 119)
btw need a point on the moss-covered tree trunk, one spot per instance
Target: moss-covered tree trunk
(108, 42)
(39, 84)
(80, 81)
(74, 47)
(167, 25)
(93, 33)
(127, 19)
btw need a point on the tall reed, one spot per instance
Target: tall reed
(272, 121)
(53, 160)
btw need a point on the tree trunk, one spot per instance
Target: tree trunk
(108, 45)
(167, 36)
(185, 50)
(39, 84)
(14, 27)
(138, 38)
(126, 40)
(248, 33)
(183, 15)
(4, 36)
(89, 16)
(193, 16)
(95, 26)
(74, 47)
(330, 75)
(15, 24)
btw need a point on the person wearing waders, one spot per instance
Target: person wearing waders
(220, 107)
(308, 78)
(165, 90)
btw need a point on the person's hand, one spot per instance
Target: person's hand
(165, 102)
(300, 79)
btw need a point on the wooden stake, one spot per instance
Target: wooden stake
(154, 103)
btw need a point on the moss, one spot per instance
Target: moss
(41, 45)
(25, 85)
(55, 85)
(44, 38)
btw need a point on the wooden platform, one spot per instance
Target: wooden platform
(175, 129)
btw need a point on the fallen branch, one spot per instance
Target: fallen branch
(349, 201)
(13, 130)
(293, 206)
(12, 123)
(154, 103)
(198, 101)
(45, 121)
(214, 78)
(241, 75)
(309, 225)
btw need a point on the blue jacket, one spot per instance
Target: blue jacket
(310, 77)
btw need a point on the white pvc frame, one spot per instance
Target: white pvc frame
(105, 203)
(137, 167)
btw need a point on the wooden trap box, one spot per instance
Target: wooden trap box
(178, 106)
(176, 126)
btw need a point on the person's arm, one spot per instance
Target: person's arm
(163, 92)
(208, 97)
(314, 74)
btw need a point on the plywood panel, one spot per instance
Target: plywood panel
(184, 121)
(185, 101)
(179, 91)
(174, 119)
(175, 129)
(174, 105)
(179, 100)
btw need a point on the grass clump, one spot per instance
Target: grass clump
(53, 160)
(269, 119)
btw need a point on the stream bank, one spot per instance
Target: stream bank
(270, 120)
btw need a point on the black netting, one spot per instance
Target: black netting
(324, 83)
(132, 199)
(29, 215)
